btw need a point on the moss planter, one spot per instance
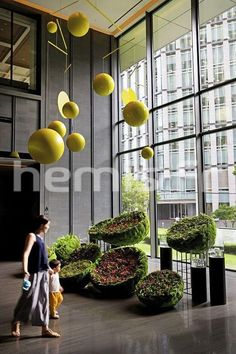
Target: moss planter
(118, 271)
(75, 275)
(90, 252)
(196, 234)
(64, 246)
(160, 289)
(123, 230)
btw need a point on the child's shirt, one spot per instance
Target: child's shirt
(54, 283)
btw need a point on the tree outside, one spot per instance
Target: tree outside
(226, 214)
(135, 194)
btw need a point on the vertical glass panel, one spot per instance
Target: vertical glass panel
(219, 107)
(131, 138)
(135, 188)
(174, 121)
(220, 188)
(133, 65)
(24, 51)
(172, 51)
(217, 41)
(5, 45)
(176, 182)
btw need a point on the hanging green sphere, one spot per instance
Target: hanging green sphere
(147, 153)
(103, 84)
(46, 146)
(75, 142)
(52, 27)
(58, 126)
(70, 110)
(135, 113)
(78, 24)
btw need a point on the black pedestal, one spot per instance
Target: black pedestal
(217, 280)
(199, 289)
(166, 258)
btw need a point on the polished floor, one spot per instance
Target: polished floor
(90, 325)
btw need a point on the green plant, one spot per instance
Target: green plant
(135, 194)
(51, 253)
(65, 245)
(160, 289)
(75, 275)
(225, 213)
(90, 251)
(118, 271)
(196, 233)
(125, 229)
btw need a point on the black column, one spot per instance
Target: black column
(166, 258)
(217, 280)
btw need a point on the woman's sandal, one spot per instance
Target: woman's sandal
(48, 333)
(15, 329)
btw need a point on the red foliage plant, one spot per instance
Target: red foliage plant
(116, 268)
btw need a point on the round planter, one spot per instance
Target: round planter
(118, 271)
(75, 275)
(196, 234)
(126, 229)
(160, 289)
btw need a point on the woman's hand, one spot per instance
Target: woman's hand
(26, 274)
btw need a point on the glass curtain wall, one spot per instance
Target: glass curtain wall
(193, 88)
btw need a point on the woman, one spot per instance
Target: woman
(34, 303)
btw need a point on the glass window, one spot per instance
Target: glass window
(179, 117)
(18, 50)
(172, 34)
(135, 188)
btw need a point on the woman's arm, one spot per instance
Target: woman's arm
(30, 240)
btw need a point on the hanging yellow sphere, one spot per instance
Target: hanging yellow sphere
(70, 110)
(128, 95)
(46, 146)
(147, 153)
(135, 113)
(58, 127)
(75, 142)
(103, 84)
(52, 27)
(78, 24)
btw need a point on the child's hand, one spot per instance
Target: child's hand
(61, 289)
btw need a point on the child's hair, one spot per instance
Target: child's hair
(54, 263)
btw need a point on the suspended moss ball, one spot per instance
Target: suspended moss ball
(78, 24)
(59, 127)
(103, 84)
(70, 110)
(147, 153)
(46, 146)
(128, 95)
(135, 113)
(52, 27)
(75, 142)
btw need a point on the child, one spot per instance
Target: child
(55, 289)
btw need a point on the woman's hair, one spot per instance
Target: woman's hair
(38, 221)
(54, 263)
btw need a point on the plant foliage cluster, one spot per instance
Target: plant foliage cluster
(196, 233)
(125, 229)
(160, 289)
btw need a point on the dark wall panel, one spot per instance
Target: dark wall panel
(5, 106)
(81, 90)
(56, 200)
(102, 132)
(26, 122)
(5, 136)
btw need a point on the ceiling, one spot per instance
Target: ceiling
(108, 16)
